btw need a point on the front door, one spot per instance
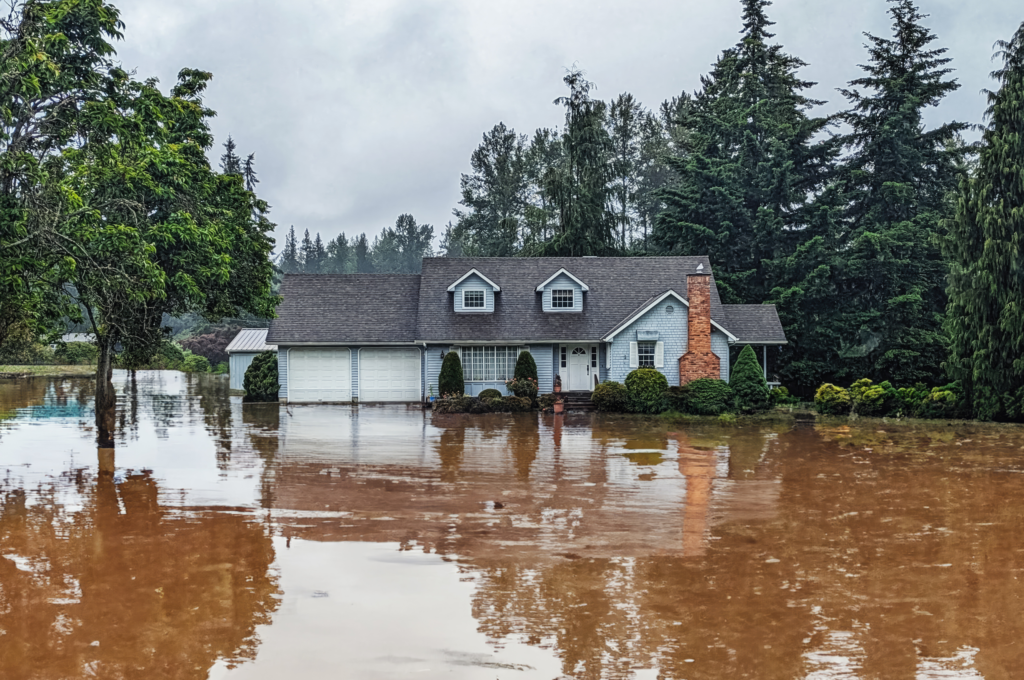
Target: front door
(579, 370)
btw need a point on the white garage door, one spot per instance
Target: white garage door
(319, 374)
(389, 375)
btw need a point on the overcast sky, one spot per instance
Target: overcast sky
(360, 111)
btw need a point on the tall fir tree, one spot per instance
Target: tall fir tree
(363, 256)
(317, 260)
(985, 245)
(339, 255)
(400, 250)
(748, 166)
(230, 163)
(290, 263)
(307, 258)
(578, 183)
(625, 120)
(249, 172)
(881, 256)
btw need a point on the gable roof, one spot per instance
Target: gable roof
(755, 324)
(347, 308)
(471, 272)
(554, 276)
(651, 304)
(618, 286)
(250, 340)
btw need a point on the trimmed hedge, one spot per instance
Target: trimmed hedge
(703, 397)
(526, 367)
(260, 382)
(490, 394)
(883, 400)
(747, 382)
(499, 404)
(449, 381)
(611, 397)
(645, 388)
(832, 400)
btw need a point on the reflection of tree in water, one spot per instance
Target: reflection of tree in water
(164, 597)
(263, 425)
(214, 392)
(451, 446)
(523, 439)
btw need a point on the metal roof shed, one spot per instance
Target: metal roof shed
(243, 349)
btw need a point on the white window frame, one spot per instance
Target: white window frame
(474, 308)
(571, 300)
(470, 356)
(645, 351)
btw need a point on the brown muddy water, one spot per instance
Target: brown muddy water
(231, 541)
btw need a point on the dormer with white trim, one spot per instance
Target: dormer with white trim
(474, 293)
(562, 292)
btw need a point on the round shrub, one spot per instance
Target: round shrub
(869, 399)
(832, 400)
(526, 367)
(645, 389)
(450, 382)
(260, 382)
(518, 404)
(610, 396)
(490, 394)
(780, 396)
(747, 382)
(523, 387)
(706, 397)
(195, 363)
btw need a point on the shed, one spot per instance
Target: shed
(243, 349)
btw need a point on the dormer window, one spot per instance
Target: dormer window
(563, 299)
(473, 299)
(474, 293)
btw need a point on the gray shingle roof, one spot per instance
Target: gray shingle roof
(618, 287)
(250, 340)
(754, 323)
(346, 308)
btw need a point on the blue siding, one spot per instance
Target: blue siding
(602, 362)
(543, 356)
(671, 330)
(563, 282)
(720, 346)
(238, 363)
(432, 366)
(282, 372)
(474, 282)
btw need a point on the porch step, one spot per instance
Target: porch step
(578, 401)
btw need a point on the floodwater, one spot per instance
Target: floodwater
(249, 542)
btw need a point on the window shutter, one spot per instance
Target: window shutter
(659, 355)
(634, 356)
(608, 356)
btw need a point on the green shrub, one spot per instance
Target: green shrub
(546, 402)
(526, 367)
(611, 397)
(747, 382)
(518, 404)
(944, 402)
(450, 382)
(523, 387)
(22, 346)
(77, 354)
(490, 394)
(169, 356)
(703, 397)
(780, 396)
(195, 363)
(222, 368)
(868, 399)
(832, 400)
(645, 389)
(260, 382)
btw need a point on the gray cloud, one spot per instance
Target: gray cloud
(360, 111)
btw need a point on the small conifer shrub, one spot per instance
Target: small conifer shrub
(832, 400)
(748, 383)
(450, 382)
(526, 367)
(260, 382)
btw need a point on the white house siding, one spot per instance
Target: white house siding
(238, 363)
(720, 346)
(282, 372)
(474, 282)
(671, 331)
(563, 282)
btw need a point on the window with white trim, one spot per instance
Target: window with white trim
(473, 299)
(489, 364)
(645, 353)
(563, 299)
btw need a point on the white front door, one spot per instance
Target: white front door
(579, 369)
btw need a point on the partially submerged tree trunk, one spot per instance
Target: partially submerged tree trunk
(106, 400)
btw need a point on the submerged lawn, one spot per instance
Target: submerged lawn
(48, 371)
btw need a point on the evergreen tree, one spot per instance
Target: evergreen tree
(339, 253)
(544, 152)
(230, 163)
(626, 118)
(290, 263)
(577, 185)
(317, 261)
(495, 194)
(984, 245)
(749, 164)
(364, 259)
(450, 382)
(249, 172)
(307, 258)
(747, 382)
(401, 250)
(455, 241)
(882, 257)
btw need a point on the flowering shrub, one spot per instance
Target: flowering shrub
(523, 387)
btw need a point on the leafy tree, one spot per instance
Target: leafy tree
(261, 380)
(495, 194)
(882, 259)
(230, 163)
(984, 245)
(747, 382)
(544, 152)
(290, 263)
(449, 381)
(401, 250)
(577, 184)
(748, 166)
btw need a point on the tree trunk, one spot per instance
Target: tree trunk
(106, 400)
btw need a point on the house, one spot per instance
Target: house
(242, 349)
(382, 337)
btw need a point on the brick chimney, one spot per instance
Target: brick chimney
(699, 361)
